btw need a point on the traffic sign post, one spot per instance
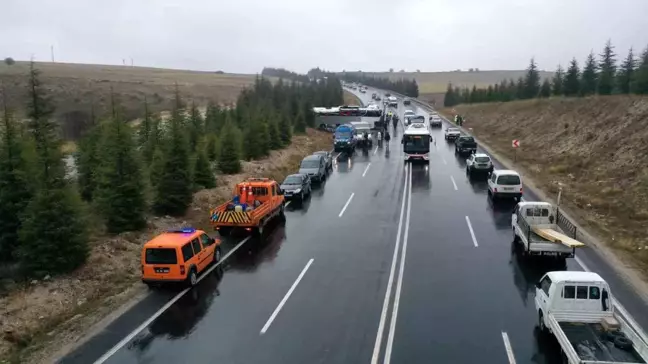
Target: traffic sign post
(515, 144)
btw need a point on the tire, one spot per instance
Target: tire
(224, 231)
(301, 196)
(217, 255)
(623, 343)
(541, 323)
(192, 278)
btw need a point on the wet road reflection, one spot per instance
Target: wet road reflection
(180, 319)
(501, 211)
(420, 177)
(259, 250)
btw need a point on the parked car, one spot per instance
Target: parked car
(327, 156)
(505, 183)
(452, 133)
(406, 101)
(479, 162)
(314, 166)
(465, 144)
(296, 186)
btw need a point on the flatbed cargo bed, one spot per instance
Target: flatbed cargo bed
(592, 344)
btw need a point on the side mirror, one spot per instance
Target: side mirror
(538, 285)
(212, 241)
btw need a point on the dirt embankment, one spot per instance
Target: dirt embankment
(351, 99)
(596, 148)
(40, 318)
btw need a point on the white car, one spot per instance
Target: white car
(452, 133)
(505, 183)
(479, 162)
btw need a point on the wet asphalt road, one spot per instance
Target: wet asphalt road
(454, 298)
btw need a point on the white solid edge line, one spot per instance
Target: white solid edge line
(159, 312)
(454, 184)
(346, 204)
(283, 301)
(287, 203)
(390, 280)
(366, 169)
(392, 324)
(508, 347)
(444, 161)
(375, 150)
(472, 233)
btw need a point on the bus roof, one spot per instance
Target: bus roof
(417, 129)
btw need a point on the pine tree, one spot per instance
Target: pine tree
(265, 136)
(450, 98)
(589, 77)
(545, 89)
(253, 149)
(285, 131)
(145, 126)
(196, 127)
(229, 161)
(173, 189)
(212, 147)
(120, 187)
(557, 83)
(531, 81)
(203, 176)
(52, 236)
(157, 167)
(300, 123)
(154, 139)
(273, 132)
(87, 162)
(626, 73)
(15, 192)
(639, 84)
(608, 70)
(572, 87)
(309, 114)
(520, 89)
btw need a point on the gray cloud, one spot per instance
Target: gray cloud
(245, 35)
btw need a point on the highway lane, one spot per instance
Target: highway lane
(460, 295)
(329, 313)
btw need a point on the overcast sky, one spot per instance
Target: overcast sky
(371, 35)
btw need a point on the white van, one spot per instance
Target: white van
(505, 183)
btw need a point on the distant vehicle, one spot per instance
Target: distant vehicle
(178, 256)
(578, 309)
(362, 127)
(387, 94)
(417, 119)
(373, 96)
(363, 90)
(256, 202)
(377, 97)
(406, 101)
(327, 128)
(296, 186)
(536, 231)
(327, 156)
(416, 143)
(435, 121)
(465, 144)
(452, 133)
(392, 101)
(407, 115)
(504, 183)
(314, 166)
(479, 162)
(344, 139)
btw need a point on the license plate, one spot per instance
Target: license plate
(482, 165)
(508, 188)
(161, 270)
(550, 253)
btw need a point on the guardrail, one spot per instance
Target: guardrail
(566, 225)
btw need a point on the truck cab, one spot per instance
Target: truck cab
(531, 222)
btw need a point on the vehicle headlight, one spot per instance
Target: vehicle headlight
(298, 190)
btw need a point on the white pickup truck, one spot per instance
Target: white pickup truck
(577, 308)
(534, 227)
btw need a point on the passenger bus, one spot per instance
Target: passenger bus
(416, 143)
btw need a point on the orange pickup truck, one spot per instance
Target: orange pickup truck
(256, 201)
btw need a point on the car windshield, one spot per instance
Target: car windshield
(482, 159)
(310, 163)
(453, 130)
(323, 154)
(343, 134)
(161, 256)
(293, 180)
(508, 180)
(467, 139)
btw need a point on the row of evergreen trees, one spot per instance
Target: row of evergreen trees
(123, 173)
(601, 77)
(284, 73)
(402, 86)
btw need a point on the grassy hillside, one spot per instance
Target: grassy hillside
(74, 87)
(595, 147)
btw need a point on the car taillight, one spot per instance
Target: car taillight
(182, 269)
(495, 189)
(520, 189)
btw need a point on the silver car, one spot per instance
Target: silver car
(314, 166)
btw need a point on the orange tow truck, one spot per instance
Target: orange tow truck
(256, 201)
